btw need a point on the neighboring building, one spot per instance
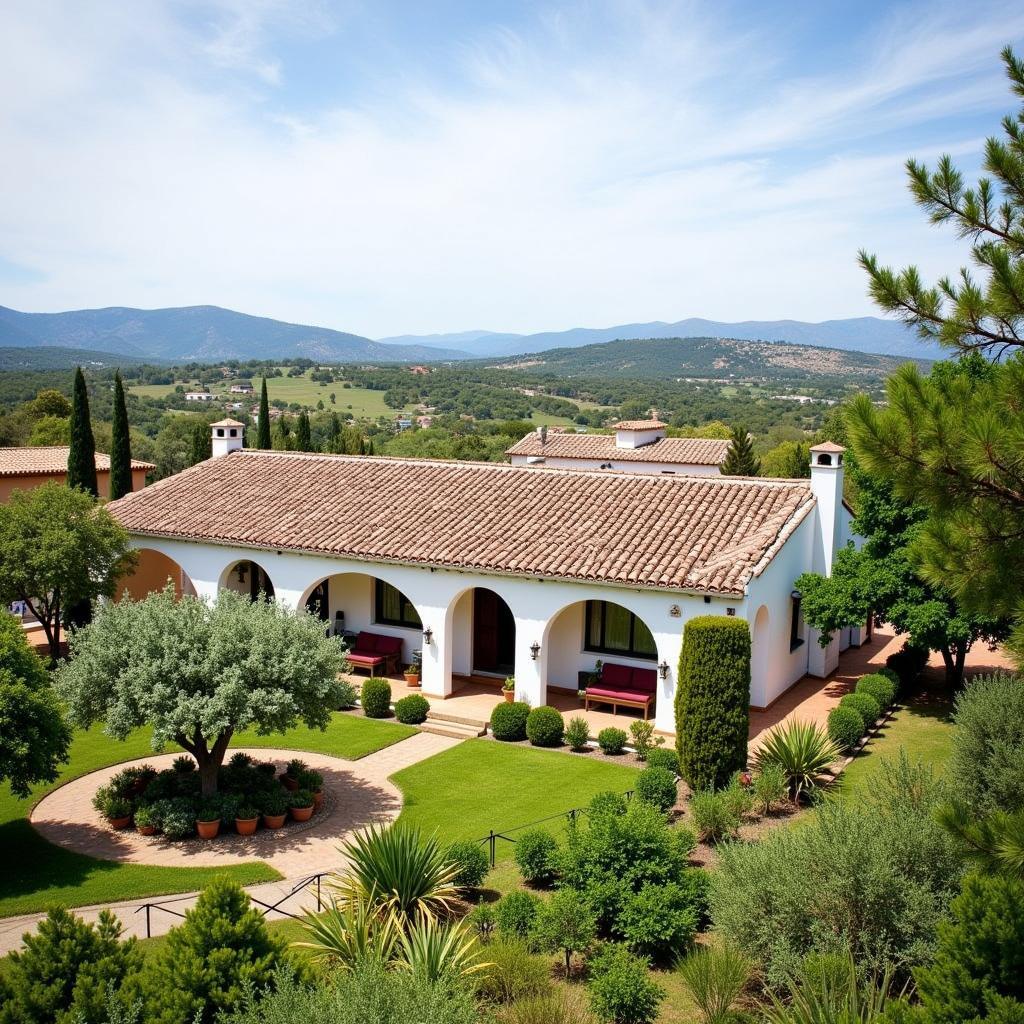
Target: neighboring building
(424, 422)
(419, 371)
(638, 446)
(403, 423)
(25, 468)
(504, 570)
(199, 396)
(241, 389)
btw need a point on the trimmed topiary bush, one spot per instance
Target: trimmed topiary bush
(611, 740)
(845, 727)
(877, 686)
(515, 913)
(621, 988)
(664, 757)
(412, 710)
(713, 700)
(890, 674)
(472, 862)
(375, 697)
(544, 727)
(657, 786)
(508, 721)
(865, 705)
(577, 734)
(535, 853)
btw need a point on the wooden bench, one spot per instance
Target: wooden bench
(622, 685)
(373, 650)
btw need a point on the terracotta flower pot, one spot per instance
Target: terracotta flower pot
(246, 826)
(208, 829)
(289, 783)
(318, 799)
(510, 696)
(273, 820)
(146, 830)
(120, 822)
(302, 813)
(413, 682)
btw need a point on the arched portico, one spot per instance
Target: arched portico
(152, 572)
(247, 577)
(482, 628)
(760, 657)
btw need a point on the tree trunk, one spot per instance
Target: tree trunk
(208, 759)
(947, 660)
(955, 668)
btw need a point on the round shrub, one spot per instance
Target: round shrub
(515, 913)
(607, 802)
(878, 687)
(508, 721)
(544, 727)
(845, 727)
(535, 852)
(865, 705)
(890, 674)
(577, 734)
(621, 988)
(412, 710)
(471, 859)
(658, 922)
(611, 740)
(657, 786)
(376, 698)
(664, 757)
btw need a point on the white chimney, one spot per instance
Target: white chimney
(542, 433)
(637, 433)
(228, 436)
(827, 488)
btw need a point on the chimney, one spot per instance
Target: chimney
(827, 487)
(228, 436)
(542, 433)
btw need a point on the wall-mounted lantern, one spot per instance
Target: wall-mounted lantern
(428, 635)
(534, 650)
(241, 572)
(663, 670)
(675, 611)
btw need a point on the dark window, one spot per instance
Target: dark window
(796, 625)
(611, 629)
(393, 608)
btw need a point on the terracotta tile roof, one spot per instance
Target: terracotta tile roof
(645, 530)
(227, 423)
(639, 425)
(828, 446)
(695, 451)
(49, 460)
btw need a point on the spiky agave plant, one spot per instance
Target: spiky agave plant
(397, 870)
(802, 750)
(436, 950)
(831, 997)
(345, 935)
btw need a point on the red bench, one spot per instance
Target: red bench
(620, 684)
(372, 650)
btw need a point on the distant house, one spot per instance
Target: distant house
(235, 406)
(420, 371)
(199, 396)
(21, 469)
(424, 421)
(244, 388)
(403, 423)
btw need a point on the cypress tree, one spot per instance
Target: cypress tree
(200, 444)
(335, 435)
(740, 459)
(263, 428)
(120, 445)
(82, 455)
(303, 438)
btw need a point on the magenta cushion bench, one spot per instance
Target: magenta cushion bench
(620, 684)
(372, 650)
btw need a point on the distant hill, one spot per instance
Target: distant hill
(200, 334)
(56, 357)
(706, 358)
(861, 334)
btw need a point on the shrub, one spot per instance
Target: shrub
(606, 802)
(987, 762)
(664, 757)
(176, 816)
(205, 963)
(865, 705)
(658, 922)
(577, 734)
(621, 989)
(560, 1006)
(769, 786)
(295, 767)
(891, 675)
(535, 853)
(483, 919)
(877, 686)
(375, 697)
(802, 750)
(565, 924)
(345, 696)
(657, 786)
(516, 913)
(508, 721)
(715, 977)
(845, 727)
(739, 801)
(412, 710)
(644, 740)
(274, 802)
(65, 969)
(713, 816)
(907, 664)
(611, 741)
(544, 727)
(300, 799)
(515, 973)
(713, 700)
(240, 759)
(471, 859)
(144, 817)
(311, 780)
(184, 763)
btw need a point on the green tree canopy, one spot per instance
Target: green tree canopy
(201, 441)
(263, 426)
(82, 455)
(740, 459)
(58, 550)
(303, 438)
(198, 672)
(121, 445)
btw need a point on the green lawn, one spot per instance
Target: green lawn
(35, 874)
(481, 785)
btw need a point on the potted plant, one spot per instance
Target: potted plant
(300, 803)
(146, 821)
(246, 819)
(509, 689)
(119, 811)
(290, 778)
(412, 676)
(208, 820)
(313, 782)
(275, 808)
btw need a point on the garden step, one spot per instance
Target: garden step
(455, 729)
(443, 716)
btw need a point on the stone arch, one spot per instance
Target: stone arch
(760, 656)
(482, 629)
(152, 572)
(246, 576)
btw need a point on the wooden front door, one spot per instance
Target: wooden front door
(494, 634)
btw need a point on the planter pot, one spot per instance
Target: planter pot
(120, 822)
(246, 826)
(510, 696)
(302, 813)
(318, 799)
(273, 820)
(208, 829)
(146, 830)
(289, 783)
(413, 682)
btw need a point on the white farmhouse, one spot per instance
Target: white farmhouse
(199, 396)
(638, 446)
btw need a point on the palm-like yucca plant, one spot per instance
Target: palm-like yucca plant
(345, 935)
(437, 950)
(831, 997)
(715, 978)
(396, 870)
(802, 750)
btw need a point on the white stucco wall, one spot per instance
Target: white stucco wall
(621, 466)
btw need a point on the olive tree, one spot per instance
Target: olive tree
(200, 671)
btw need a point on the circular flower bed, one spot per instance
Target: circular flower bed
(250, 794)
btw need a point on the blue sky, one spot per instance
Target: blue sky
(415, 167)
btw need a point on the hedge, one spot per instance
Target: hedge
(508, 721)
(713, 700)
(877, 686)
(845, 727)
(865, 705)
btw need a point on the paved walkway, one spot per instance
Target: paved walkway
(357, 794)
